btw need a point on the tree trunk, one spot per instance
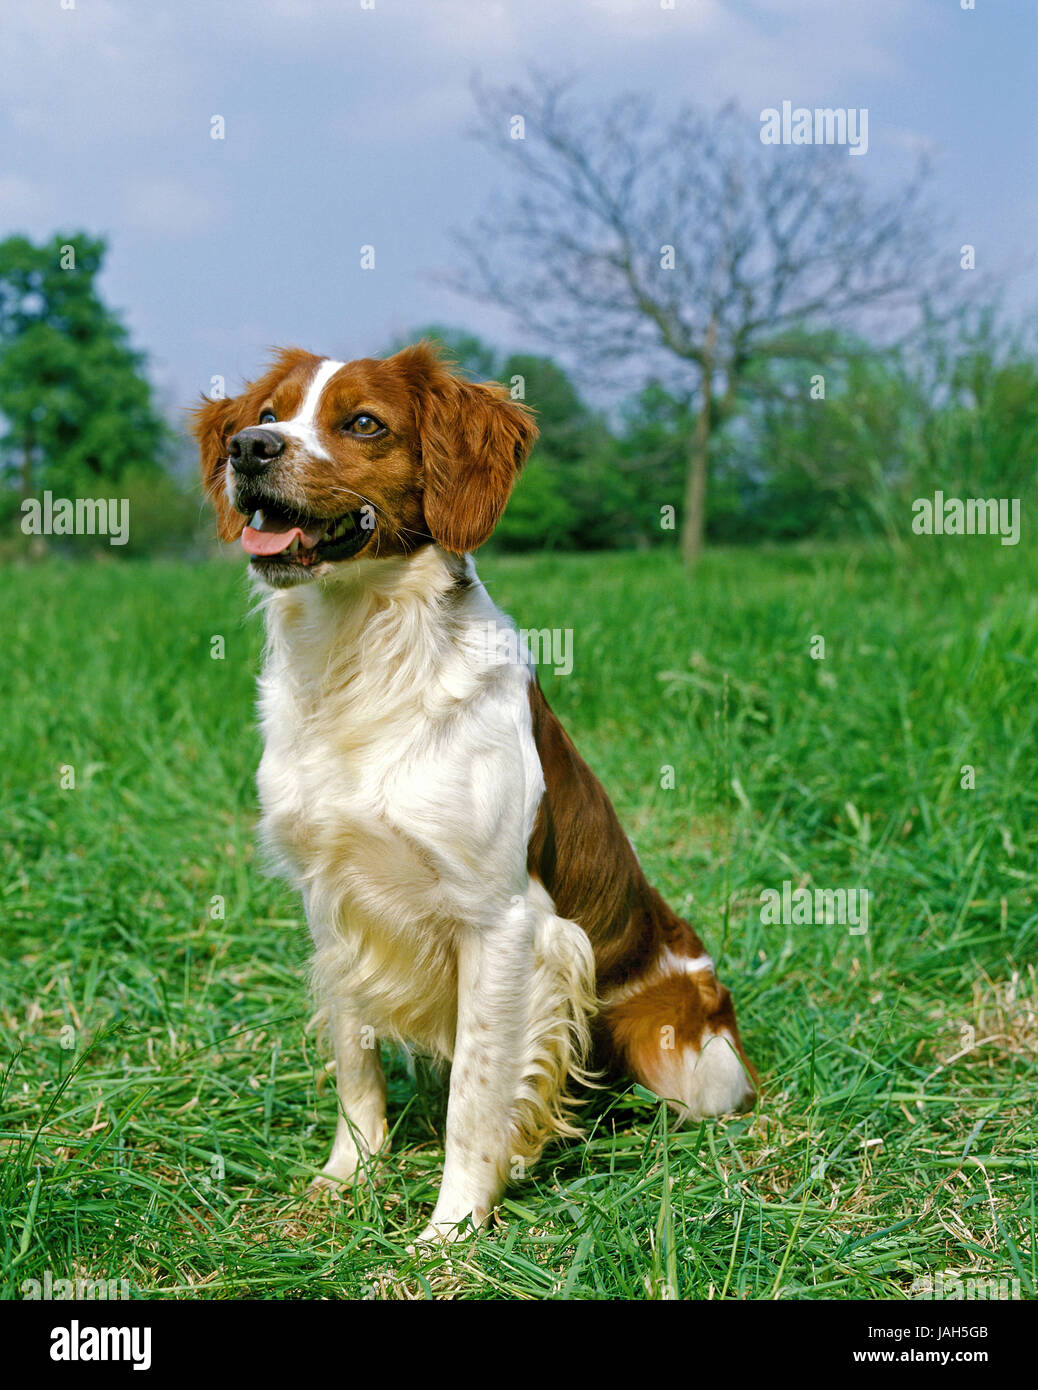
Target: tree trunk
(694, 520)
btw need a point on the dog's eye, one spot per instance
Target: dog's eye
(267, 417)
(365, 425)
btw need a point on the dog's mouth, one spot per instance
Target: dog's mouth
(276, 537)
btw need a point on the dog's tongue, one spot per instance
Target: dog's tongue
(268, 542)
(259, 540)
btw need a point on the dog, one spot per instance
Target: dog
(466, 881)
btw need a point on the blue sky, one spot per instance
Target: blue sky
(348, 126)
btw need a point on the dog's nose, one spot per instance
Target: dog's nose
(253, 450)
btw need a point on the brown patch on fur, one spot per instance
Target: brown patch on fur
(637, 1023)
(580, 853)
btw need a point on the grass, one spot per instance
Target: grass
(160, 1105)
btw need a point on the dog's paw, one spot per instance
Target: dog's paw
(337, 1178)
(329, 1188)
(441, 1233)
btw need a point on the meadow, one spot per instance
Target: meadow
(163, 1106)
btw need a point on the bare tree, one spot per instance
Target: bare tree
(689, 248)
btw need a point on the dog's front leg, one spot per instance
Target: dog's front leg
(361, 1090)
(360, 1085)
(495, 972)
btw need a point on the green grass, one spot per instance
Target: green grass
(160, 1108)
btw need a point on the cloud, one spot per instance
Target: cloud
(914, 142)
(25, 203)
(164, 206)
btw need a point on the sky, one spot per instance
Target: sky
(348, 123)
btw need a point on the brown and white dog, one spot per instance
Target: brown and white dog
(467, 884)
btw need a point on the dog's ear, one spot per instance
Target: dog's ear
(474, 441)
(212, 424)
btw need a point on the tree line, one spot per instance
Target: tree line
(749, 341)
(836, 440)
(831, 446)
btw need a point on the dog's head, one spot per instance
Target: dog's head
(320, 462)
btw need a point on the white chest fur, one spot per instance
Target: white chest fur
(399, 781)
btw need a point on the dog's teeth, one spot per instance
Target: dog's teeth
(293, 548)
(342, 527)
(257, 522)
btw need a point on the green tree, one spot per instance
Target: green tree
(76, 408)
(958, 411)
(819, 447)
(564, 500)
(979, 437)
(651, 457)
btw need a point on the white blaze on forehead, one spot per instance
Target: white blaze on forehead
(312, 399)
(302, 426)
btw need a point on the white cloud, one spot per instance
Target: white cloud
(24, 201)
(163, 206)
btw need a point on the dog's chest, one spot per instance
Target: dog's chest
(397, 816)
(399, 784)
(343, 820)
(339, 805)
